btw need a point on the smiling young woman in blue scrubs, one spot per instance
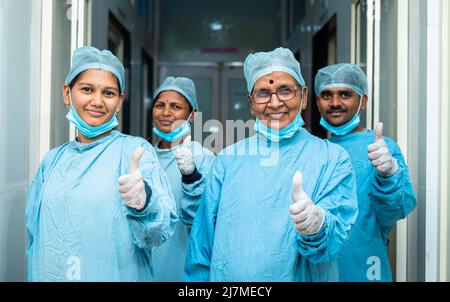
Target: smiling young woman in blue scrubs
(98, 204)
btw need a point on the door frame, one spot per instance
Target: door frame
(79, 23)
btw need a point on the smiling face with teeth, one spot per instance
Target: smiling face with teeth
(276, 114)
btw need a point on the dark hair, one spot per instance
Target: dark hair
(79, 75)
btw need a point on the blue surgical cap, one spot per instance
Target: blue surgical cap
(341, 75)
(182, 85)
(87, 57)
(260, 64)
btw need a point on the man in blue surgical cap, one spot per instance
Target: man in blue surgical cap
(385, 193)
(99, 203)
(256, 220)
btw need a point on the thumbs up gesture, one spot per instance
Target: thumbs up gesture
(185, 159)
(380, 156)
(131, 185)
(307, 217)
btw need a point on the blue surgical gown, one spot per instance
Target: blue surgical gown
(78, 226)
(381, 203)
(243, 230)
(168, 259)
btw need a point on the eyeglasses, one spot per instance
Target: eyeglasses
(284, 94)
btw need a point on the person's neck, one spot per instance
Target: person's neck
(168, 145)
(86, 140)
(358, 129)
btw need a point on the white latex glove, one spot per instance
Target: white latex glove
(185, 159)
(307, 217)
(380, 156)
(131, 185)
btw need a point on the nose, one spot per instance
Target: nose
(274, 101)
(166, 111)
(334, 102)
(97, 99)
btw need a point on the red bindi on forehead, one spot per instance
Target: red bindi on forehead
(271, 82)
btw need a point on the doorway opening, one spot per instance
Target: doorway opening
(119, 45)
(324, 53)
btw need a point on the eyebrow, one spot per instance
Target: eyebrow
(170, 102)
(283, 85)
(92, 85)
(347, 90)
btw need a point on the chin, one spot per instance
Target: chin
(335, 123)
(277, 126)
(164, 129)
(94, 122)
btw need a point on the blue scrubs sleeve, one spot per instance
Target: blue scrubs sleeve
(338, 198)
(34, 197)
(155, 223)
(199, 250)
(192, 193)
(31, 214)
(392, 198)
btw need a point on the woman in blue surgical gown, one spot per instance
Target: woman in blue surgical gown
(98, 204)
(250, 226)
(186, 163)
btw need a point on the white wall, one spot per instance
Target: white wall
(388, 68)
(22, 140)
(434, 138)
(19, 68)
(446, 98)
(417, 109)
(444, 264)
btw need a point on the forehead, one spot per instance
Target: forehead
(171, 96)
(99, 77)
(338, 90)
(275, 79)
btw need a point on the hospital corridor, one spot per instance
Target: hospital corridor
(218, 59)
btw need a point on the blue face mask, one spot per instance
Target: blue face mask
(345, 128)
(177, 134)
(285, 133)
(84, 128)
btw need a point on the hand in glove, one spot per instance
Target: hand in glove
(380, 156)
(307, 217)
(185, 159)
(131, 185)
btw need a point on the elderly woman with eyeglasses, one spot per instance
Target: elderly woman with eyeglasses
(279, 219)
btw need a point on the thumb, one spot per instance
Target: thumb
(297, 188)
(135, 158)
(379, 131)
(187, 142)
